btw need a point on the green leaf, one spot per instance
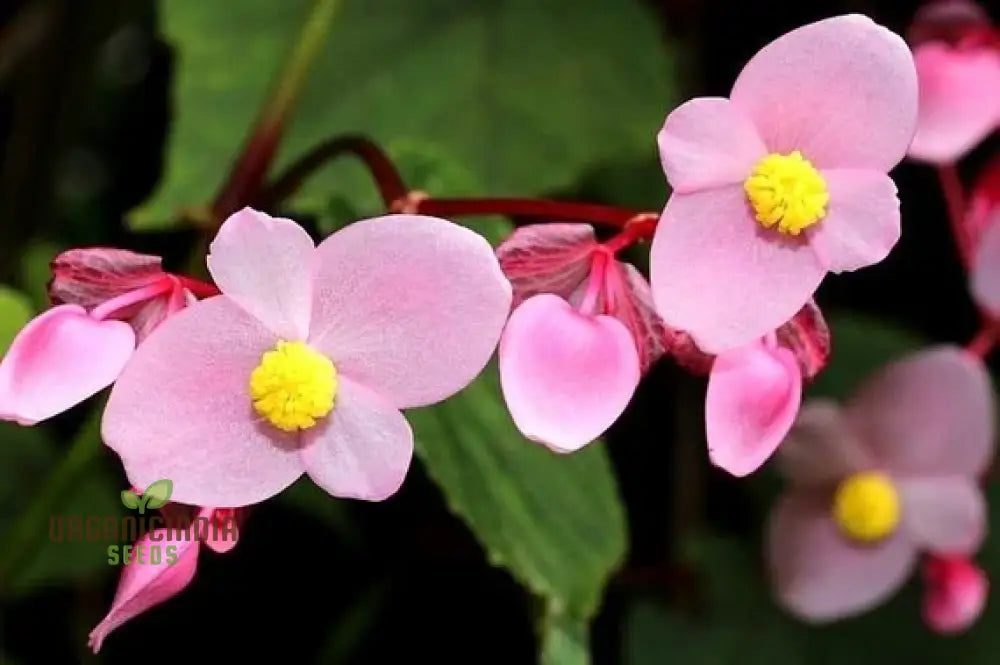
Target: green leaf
(554, 521)
(27, 459)
(15, 312)
(564, 642)
(130, 499)
(35, 271)
(523, 94)
(158, 493)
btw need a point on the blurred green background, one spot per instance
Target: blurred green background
(120, 120)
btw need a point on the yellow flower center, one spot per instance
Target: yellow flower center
(787, 190)
(293, 386)
(866, 506)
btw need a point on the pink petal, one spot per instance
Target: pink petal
(943, 513)
(721, 277)
(263, 264)
(631, 302)
(707, 142)
(566, 376)
(843, 91)
(959, 100)
(91, 275)
(862, 224)
(817, 574)
(820, 449)
(546, 258)
(930, 413)
(955, 594)
(984, 277)
(62, 357)
(224, 534)
(752, 399)
(807, 336)
(181, 410)
(409, 306)
(363, 449)
(145, 585)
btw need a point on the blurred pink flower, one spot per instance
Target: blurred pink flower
(955, 592)
(957, 55)
(107, 301)
(144, 585)
(890, 474)
(582, 333)
(782, 182)
(303, 363)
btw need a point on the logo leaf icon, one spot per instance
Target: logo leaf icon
(130, 499)
(158, 494)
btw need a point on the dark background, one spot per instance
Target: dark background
(411, 582)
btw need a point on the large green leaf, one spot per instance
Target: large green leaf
(525, 94)
(554, 521)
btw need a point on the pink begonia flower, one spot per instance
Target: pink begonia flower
(892, 473)
(145, 584)
(582, 333)
(782, 182)
(752, 399)
(303, 363)
(982, 223)
(957, 55)
(107, 300)
(955, 593)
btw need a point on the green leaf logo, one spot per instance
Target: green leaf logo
(159, 493)
(130, 499)
(156, 495)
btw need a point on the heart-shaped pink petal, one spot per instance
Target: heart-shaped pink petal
(59, 359)
(566, 376)
(753, 397)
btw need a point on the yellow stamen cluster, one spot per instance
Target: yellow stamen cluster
(293, 386)
(866, 507)
(787, 191)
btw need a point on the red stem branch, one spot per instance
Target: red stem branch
(387, 178)
(984, 341)
(954, 197)
(569, 211)
(397, 197)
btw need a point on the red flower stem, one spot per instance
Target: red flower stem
(248, 173)
(595, 282)
(197, 287)
(640, 227)
(954, 197)
(569, 211)
(982, 344)
(387, 178)
(398, 197)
